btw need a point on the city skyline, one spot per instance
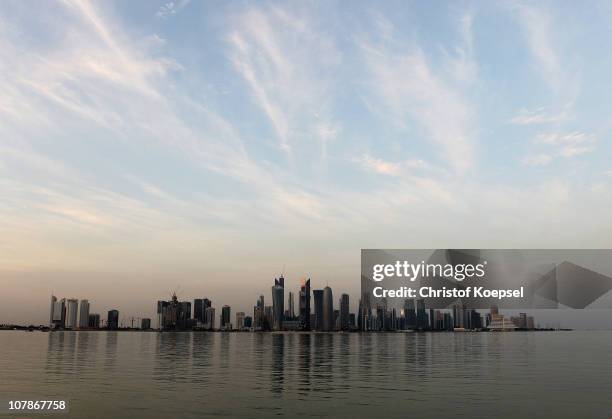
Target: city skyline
(175, 315)
(323, 315)
(146, 145)
(593, 318)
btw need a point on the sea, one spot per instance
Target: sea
(540, 374)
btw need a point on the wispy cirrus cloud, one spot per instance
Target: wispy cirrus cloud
(541, 116)
(545, 44)
(413, 92)
(391, 168)
(171, 8)
(99, 79)
(288, 68)
(564, 145)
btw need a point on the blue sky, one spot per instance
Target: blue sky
(146, 146)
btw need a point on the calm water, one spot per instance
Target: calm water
(129, 374)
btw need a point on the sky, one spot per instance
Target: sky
(208, 147)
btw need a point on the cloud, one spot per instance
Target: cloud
(383, 167)
(544, 43)
(410, 91)
(537, 159)
(100, 88)
(171, 8)
(460, 60)
(565, 145)
(540, 116)
(288, 66)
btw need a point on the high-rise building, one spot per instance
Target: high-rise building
(94, 321)
(112, 320)
(59, 313)
(161, 311)
(278, 303)
(410, 314)
(305, 304)
(328, 309)
(84, 315)
(457, 316)
(365, 312)
(268, 315)
(258, 314)
(291, 304)
(175, 314)
(184, 316)
(226, 313)
(199, 309)
(318, 309)
(336, 319)
(53, 301)
(145, 324)
(209, 318)
(72, 310)
(432, 319)
(248, 322)
(344, 312)
(422, 318)
(240, 320)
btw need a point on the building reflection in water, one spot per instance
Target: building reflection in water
(323, 362)
(110, 350)
(278, 362)
(202, 356)
(87, 346)
(172, 357)
(61, 350)
(304, 362)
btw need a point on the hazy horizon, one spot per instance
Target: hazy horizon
(146, 146)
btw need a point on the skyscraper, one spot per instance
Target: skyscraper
(344, 312)
(226, 313)
(72, 309)
(410, 314)
(422, 319)
(112, 321)
(184, 316)
(145, 324)
(94, 321)
(258, 314)
(291, 306)
(278, 303)
(305, 304)
(318, 309)
(365, 312)
(209, 318)
(84, 314)
(53, 301)
(199, 309)
(174, 314)
(240, 320)
(59, 312)
(328, 309)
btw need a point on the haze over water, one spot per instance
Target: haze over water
(123, 374)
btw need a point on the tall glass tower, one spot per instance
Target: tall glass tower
(278, 303)
(305, 304)
(328, 309)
